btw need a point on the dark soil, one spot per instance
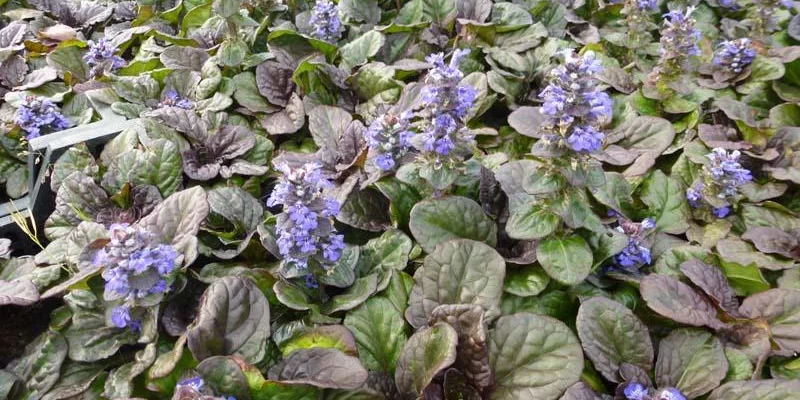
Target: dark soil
(21, 325)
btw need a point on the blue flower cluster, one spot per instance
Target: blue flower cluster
(575, 108)
(135, 267)
(641, 5)
(101, 57)
(636, 254)
(389, 139)
(171, 98)
(734, 55)
(305, 228)
(679, 39)
(448, 103)
(637, 391)
(194, 387)
(719, 182)
(647, 5)
(36, 116)
(325, 21)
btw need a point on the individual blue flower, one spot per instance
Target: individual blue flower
(670, 394)
(647, 5)
(171, 98)
(195, 382)
(389, 139)
(134, 267)
(325, 21)
(636, 254)
(446, 103)
(121, 316)
(679, 38)
(734, 55)
(585, 139)
(101, 57)
(635, 391)
(37, 116)
(730, 4)
(575, 107)
(305, 229)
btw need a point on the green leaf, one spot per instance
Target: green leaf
(611, 335)
(535, 222)
(666, 199)
(323, 368)
(366, 209)
(232, 52)
(766, 69)
(509, 16)
(383, 254)
(40, 364)
(525, 281)
(75, 379)
(745, 280)
(786, 114)
(323, 337)
(441, 12)
(237, 206)
(692, 361)
(459, 271)
(356, 294)
(224, 375)
(380, 332)
(435, 221)
(739, 366)
(69, 60)
(768, 389)
(360, 50)
(427, 352)
(567, 260)
(233, 319)
(533, 356)
(120, 381)
(361, 10)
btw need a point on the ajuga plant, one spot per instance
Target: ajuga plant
(678, 53)
(429, 199)
(731, 64)
(639, 17)
(37, 116)
(307, 239)
(762, 17)
(444, 141)
(717, 188)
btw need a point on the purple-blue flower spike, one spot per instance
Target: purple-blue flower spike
(305, 229)
(575, 107)
(37, 116)
(325, 22)
(101, 57)
(389, 139)
(448, 103)
(720, 179)
(135, 267)
(734, 55)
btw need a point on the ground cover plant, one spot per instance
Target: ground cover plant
(426, 199)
